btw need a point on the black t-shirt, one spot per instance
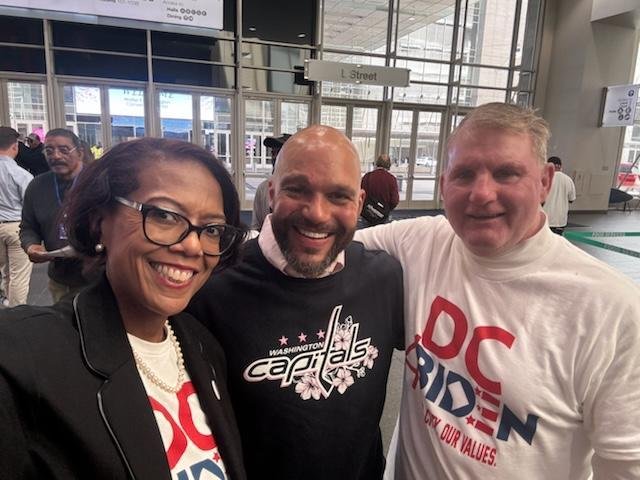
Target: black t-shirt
(308, 408)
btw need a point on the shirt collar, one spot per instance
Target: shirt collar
(271, 251)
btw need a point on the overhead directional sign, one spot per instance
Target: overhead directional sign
(356, 73)
(195, 13)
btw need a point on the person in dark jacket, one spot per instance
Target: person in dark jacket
(381, 189)
(116, 383)
(31, 155)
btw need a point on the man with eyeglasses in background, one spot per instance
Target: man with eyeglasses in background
(41, 229)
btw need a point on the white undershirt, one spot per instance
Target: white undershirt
(189, 444)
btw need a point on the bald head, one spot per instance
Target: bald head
(315, 198)
(324, 143)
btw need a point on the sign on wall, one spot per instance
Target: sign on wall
(194, 13)
(619, 108)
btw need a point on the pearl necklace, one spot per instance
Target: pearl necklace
(152, 376)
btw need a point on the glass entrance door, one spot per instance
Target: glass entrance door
(267, 118)
(414, 148)
(104, 116)
(360, 124)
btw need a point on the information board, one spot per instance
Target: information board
(619, 108)
(193, 13)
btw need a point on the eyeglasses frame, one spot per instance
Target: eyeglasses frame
(58, 149)
(145, 208)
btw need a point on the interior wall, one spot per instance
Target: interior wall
(581, 59)
(603, 9)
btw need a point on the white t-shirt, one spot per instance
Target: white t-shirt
(556, 206)
(191, 449)
(516, 367)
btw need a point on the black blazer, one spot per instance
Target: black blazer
(72, 404)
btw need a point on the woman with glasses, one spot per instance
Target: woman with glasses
(115, 382)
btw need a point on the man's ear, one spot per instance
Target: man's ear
(272, 192)
(361, 198)
(548, 171)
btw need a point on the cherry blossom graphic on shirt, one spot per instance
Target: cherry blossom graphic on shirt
(333, 363)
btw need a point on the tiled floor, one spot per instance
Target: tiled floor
(612, 221)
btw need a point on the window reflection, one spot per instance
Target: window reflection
(259, 124)
(426, 164)
(215, 114)
(400, 148)
(334, 116)
(28, 108)
(363, 135)
(126, 108)
(176, 115)
(293, 117)
(83, 112)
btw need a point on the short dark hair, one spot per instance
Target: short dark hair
(8, 137)
(63, 132)
(116, 174)
(555, 161)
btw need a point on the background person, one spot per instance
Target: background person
(14, 263)
(116, 383)
(87, 153)
(42, 227)
(562, 193)
(309, 321)
(30, 155)
(518, 344)
(381, 189)
(261, 202)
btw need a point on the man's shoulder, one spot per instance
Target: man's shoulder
(41, 180)
(565, 178)
(250, 264)
(357, 255)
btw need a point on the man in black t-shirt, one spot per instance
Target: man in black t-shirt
(309, 321)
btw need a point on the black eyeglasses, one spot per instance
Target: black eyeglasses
(166, 228)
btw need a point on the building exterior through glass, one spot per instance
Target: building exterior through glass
(227, 90)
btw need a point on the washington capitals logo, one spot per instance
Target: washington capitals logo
(317, 369)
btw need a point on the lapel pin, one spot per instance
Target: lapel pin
(215, 389)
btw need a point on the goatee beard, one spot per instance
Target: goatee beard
(310, 269)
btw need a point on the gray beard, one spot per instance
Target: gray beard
(307, 269)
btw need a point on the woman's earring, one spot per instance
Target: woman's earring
(99, 248)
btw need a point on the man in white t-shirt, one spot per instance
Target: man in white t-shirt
(522, 351)
(562, 193)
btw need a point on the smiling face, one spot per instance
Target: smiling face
(493, 188)
(152, 281)
(316, 198)
(63, 157)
